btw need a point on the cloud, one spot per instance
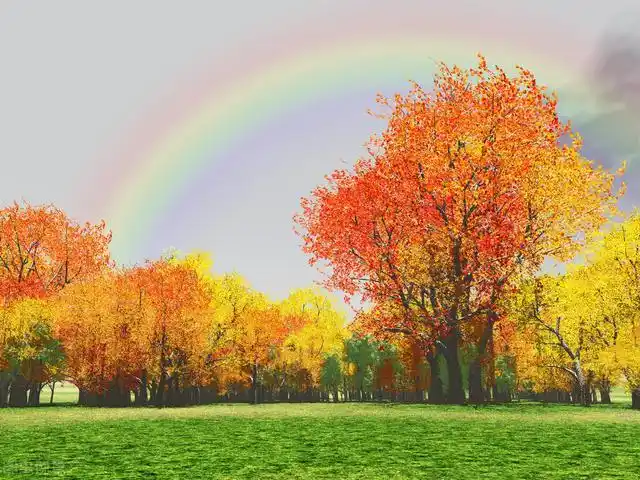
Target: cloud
(613, 133)
(616, 63)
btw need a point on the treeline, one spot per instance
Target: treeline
(443, 228)
(170, 332)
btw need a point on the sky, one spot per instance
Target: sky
(199, 125)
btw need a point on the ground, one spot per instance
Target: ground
(341, 441)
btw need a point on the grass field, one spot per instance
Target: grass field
(341, 441)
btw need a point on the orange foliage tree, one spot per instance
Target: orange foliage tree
(261, 333)
(143, 330)
(41, 251)
(177, 347)
(469, 187)
(103, 326)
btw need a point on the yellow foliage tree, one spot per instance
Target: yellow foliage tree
(615, 259)
(322, 333)
(29, 353)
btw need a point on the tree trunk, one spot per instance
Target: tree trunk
(153, 392)
(283, 394)
(180, 392)
(476, 393)
(160, 393)
(18, 393)
(34, 394)
(89, 399)
(492, 390)
(583, 389)
(53, 390)
(174, 391)
(5, 383)
(142, 396)
(455, 394)
(495, 394)
(588, 389)
(198, 396)
(116, 395)
(476, 390)
(635, 398)
(436, 392)
(254, 384)
(168, 401)
(605, 392)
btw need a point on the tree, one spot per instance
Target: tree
(231, 304)
(331, 375)
(401, 327)
(467, 189)
(615, 259)
(30, 354)
(321, 334)
(362, 355)
(143, 329)
(103, 325)
(558, 331)
(179, 297)
(262, 332)
(41, 252)
(583, 322)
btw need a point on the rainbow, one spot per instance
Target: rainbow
(196, 132)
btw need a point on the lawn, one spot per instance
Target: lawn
(321, 441)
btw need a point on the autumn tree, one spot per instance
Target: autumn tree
(615, 263)
(263, 329)
(41, 251)
(104, 328)
(468, 188)
(143, 330)
(417, 374)
(585, 322)
(29, 351)
(321, 334)
(177, 334)
(232, 302)
(558, 332)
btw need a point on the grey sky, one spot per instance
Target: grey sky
(79, 79)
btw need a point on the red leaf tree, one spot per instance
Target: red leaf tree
(469, 187)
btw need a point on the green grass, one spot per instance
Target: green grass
(342, 441)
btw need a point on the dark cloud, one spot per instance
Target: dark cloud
(613, 134)
(616, 63)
